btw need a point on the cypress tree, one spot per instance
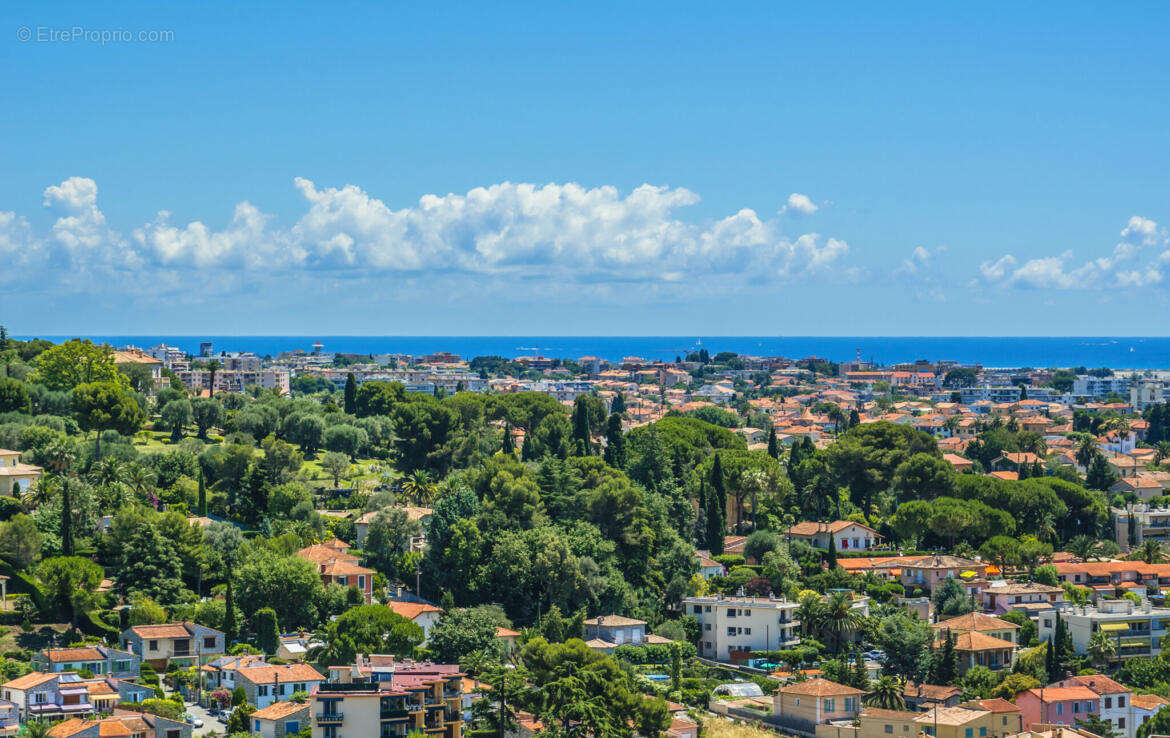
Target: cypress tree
(581, 434)
(773, 444)
(267, 632)
(66, 519)
(854, 418)
(202, 495)
(1050, 659)
(229, 614)
(832, 557)
(615, 442)
(619, 404)
(350, 394)
(509, 446)
(527, 451)
(716, 526)
(860, 677)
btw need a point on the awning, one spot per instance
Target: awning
(1111, 627)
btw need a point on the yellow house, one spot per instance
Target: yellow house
(816, 701)
(978, 719)
(16, 478)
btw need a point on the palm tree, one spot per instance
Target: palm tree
(839, 619)
(35, 729)
(1082, 547)
(139, 479)
(1151, 552)
(1086, 450)
(418, 487)
(213, 366)
(809, 613)
(109, 476)
(887, 694)
(1161, 451)
(1101, 648)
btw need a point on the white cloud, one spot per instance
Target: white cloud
(1129, 264)
(920, 262)
(800, 204)
(566, 232)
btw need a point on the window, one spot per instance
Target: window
(708, 608)
(1076, 707)
(256, 726)
(850, 704)
(698, 609)
(209, 641)
(747, 631)
(153, 645)
(292, 726)
(968, 733)
(1121, 723)
(1109, 703)
(830, 705)
(706, 626)
(731, 631)
(361, 581)
(983, 732)
(262, 690)
(798, 701)
(731, 612)
(747, 613)
(1121, 700)
(889, 728)
(1059, 708)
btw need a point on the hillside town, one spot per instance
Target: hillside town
(331, 545)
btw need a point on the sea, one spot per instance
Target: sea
(990, 351)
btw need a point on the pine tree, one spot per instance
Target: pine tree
(615, 442)
(350, 394)
(859, 678)
(509, 446)
(66, 519)
(202, 495)
(773, 444)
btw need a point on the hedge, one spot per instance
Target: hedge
(652, 653)
(24, 584)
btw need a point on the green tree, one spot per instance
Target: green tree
(20, 541)
(14, 396)
(240, 719)
(289, 585)
(212, 368)
(267, 631)
(207, 413)
(101, 406)
(69, 583)
(461, 633)
(75, 362)
(350, 394)
(369, 629)
(177, 415)
(335, 465)
(887, 694)
(615, 442)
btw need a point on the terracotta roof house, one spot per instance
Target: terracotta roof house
(422, 614)
(16, 477)
(122, 724)
(281, 718)
(268, 683)
(185, 644)
(846, 534)
(615, 630)
(99, 659)
(816, 701)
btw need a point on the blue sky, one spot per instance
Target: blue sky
(555, 168)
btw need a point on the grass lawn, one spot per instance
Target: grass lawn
(723, 728)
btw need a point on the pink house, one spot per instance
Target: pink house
(1057, 705)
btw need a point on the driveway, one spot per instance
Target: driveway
(211, 726)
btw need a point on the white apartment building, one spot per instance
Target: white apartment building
(730, 624)
(1145, 393)
(1137, 629)
(1116, 703)
(1089, 386)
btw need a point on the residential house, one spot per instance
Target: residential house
(959, 463)
(281, 718)
(16, 477)
(734, 626)
(421, 515)
(9, 718)
(221, 673)
(804, 705)
(928, 572)
(616, 630)
(122, 724)
(1057, 705)
(296, 646)
(846, 534)
(337, 566)
(48, 695)
(1014, 461)
(1116, 701)
(981, 640)
(1145, 706)
(1002, 597)
(926, 696)
(992, 718)
(268, 683)
(422, 614)
(184, 644)
(99, 660)
(709, 567)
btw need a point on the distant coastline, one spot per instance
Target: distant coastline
(1118, 353)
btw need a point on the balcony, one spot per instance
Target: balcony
(397, 713)
(330, 718)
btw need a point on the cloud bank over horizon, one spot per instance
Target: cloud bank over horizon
(516, 230)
